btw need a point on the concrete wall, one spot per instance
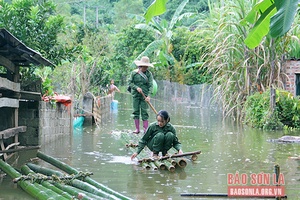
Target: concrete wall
(29, 116)
(45, 122)
(55, 121)
(292, 68)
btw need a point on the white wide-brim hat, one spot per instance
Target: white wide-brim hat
(145, 61)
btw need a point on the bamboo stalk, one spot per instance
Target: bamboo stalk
(178, 155)
(146, 165)
(71, 170)
(172, 161)
(153, 166)
(28, 187)
(148, 102)
(194, 157)
(48, 192)
(181, 162)
(169, 166)
(76, 192)
(160, 165)
(75, 183)
(48, 178)
(92, 189)
(26, 170)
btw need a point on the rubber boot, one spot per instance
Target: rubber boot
(137, 126)
(145, 125)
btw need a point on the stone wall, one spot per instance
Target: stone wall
(292, 68)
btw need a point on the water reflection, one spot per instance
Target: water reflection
(226, 148)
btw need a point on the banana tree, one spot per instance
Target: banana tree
(274, 17)
(163, 32)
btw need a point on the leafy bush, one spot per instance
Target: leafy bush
(294, 51)
(286, 114)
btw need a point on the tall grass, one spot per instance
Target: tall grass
(238, 71)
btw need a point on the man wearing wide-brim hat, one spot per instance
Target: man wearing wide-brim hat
(141, 81)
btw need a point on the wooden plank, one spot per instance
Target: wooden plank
(12, 132)
(9, 85)
(8, 102)
(8, 64)
(2, 148)
(31, 95)
(12, 145)
(84, 115)
(22, 148)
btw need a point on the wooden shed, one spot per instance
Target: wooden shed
(13, 55)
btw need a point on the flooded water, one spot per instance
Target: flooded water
(226, 148)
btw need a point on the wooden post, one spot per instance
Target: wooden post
(277, 173)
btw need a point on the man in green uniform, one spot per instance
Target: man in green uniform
(141, 81)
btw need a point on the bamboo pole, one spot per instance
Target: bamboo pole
(146, 165)
(71, 170)
(194, 157)
(177, 155)
(31, 189)
(153, 166)
(148, 102)
(75, 182)
(76, 192)
(181, 162)
(160, 165)
(26, 170)
(169, 166)
(174, 163)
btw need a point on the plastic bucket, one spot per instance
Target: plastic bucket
(114, 105)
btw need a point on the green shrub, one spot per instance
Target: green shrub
(258, 112)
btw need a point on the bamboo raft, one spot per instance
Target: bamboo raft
(44, 183)
(170, 162)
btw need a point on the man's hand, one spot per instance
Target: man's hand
(147, 99)
(139, 90)
(180, 152)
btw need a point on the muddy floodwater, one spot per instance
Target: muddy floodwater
(227, 149)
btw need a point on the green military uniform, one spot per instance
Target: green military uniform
(159, 139)
(145, 82)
